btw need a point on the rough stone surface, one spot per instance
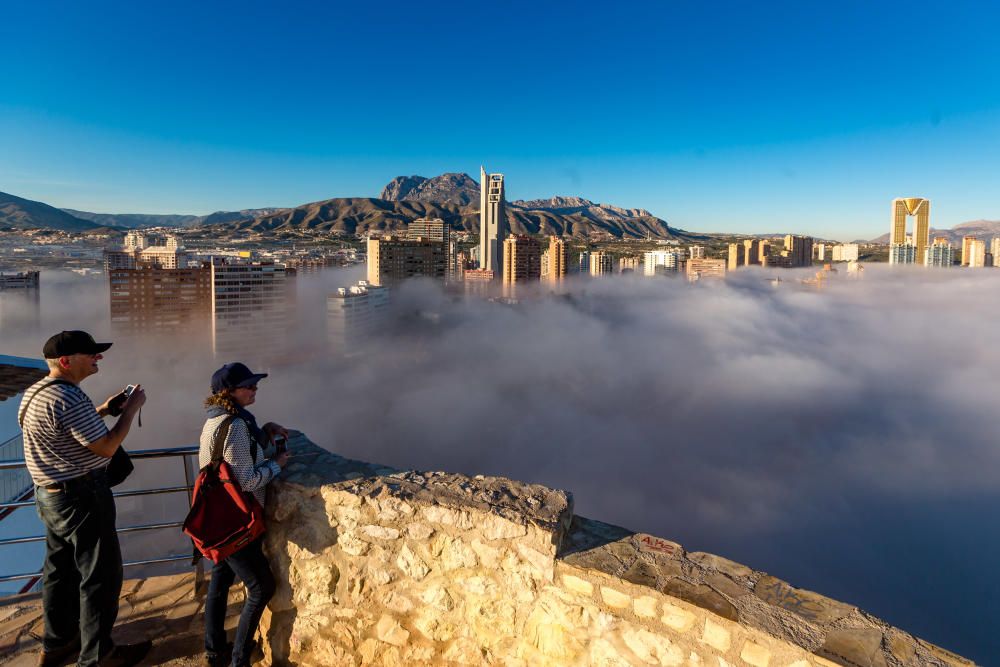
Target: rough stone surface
(376, 566)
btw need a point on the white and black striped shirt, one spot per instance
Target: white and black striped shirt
(236, 452)
(59, 424)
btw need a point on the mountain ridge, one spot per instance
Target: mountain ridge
(27, 213)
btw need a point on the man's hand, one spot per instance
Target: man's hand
(271, 429)
(135, 401)
(281, 459)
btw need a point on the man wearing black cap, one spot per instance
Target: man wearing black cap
(67, 447)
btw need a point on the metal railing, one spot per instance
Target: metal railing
(24, 501)
(15, 483)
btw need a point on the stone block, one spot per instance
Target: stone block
(446, 516)
(644, 607)
(380, 532)
(489, 556)
(723, 584)
(494, 527)
(702, 596)
(902, 647)
(541, 563)
(641, 573)
(716, 636)
(806, 604)
(390, 631)
(946, 656)
(615, 598)
(677, 618)
(720, 564)
(652, 649)
(419, 531)
(603, 654)
(860, 647)
(755, 654)
(411, 564)
(577, 585)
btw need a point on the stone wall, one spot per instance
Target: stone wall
(385, 567)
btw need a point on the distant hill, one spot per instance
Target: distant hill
(142, 220)
(982, 229)
(25, 213)
(136, 220)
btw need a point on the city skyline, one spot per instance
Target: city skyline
(768, 107)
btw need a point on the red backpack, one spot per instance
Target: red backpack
(223, 518)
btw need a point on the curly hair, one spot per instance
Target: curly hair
(224, 399)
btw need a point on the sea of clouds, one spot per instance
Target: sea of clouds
(842, 438)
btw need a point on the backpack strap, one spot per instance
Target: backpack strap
(24, 409)
(221, 433)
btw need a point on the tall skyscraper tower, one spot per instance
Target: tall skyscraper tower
(902, 208)
(492, 222)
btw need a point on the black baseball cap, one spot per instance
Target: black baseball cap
(234, 375)
(65, 343)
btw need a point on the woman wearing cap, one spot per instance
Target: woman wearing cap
(234, 387)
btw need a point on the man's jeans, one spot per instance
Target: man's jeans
(82, 576)
(250, 565)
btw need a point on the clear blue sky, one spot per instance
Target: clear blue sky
(717, 116)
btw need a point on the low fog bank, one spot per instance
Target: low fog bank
(841, 439)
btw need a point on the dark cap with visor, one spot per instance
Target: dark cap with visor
(233, 376)
(67, 343)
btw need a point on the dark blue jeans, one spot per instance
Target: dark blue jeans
(82, 575)
(250, 565)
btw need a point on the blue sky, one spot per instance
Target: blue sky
(716, 116)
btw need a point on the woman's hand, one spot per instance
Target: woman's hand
(271, 429)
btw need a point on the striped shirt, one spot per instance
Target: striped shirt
(236, 452)
(59, 424)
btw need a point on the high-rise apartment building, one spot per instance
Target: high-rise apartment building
(903, 208)
(737, 256)
(849, 252)
(354, 314)
(601, 263)
(751, 251)
(436, 229)
(696, 252)
(902, 253)
(939, 254)
(522, 259)
(798, 249)
(966, 244)
(662, 261)
(19, 280)
(820, 250)
(392, 260)
(976, 254)
(558, 259)
(492, 221)
(153, 300)
(995, 250)
(252, 305)
(135, 241)
(583, 264)
(699, 269)
(629, 264)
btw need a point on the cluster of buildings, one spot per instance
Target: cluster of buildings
(916, 247)
(797, 251)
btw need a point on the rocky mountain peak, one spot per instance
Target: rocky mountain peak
(453, 188)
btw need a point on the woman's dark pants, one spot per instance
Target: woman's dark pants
(250, 565)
